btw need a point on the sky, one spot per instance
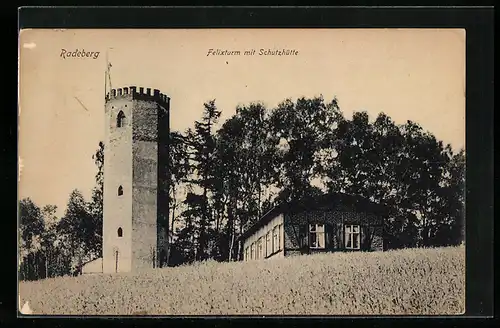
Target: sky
(409, 74)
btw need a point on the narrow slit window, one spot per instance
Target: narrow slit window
(120, 119)
(116, 260)
(120, 232)
(120, 190)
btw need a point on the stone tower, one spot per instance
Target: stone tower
(135, 200)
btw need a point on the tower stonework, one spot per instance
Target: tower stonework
(135, 200)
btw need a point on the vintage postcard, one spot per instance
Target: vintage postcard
(241, 172)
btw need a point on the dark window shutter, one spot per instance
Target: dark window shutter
(362, 232)
(329, 236)
(305, 241)
(367, 236)
(303, 235)
(340, 236)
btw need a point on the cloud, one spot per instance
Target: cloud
(30, 45)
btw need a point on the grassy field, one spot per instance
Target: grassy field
(413, 281)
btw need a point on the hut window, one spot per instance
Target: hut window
(317, 235)
(120, 232)
(276, 245)
(352, 237)
(257, 249)
(269, 245)
(120, 119)
(280, 237)
(120, 190)
(252, 251)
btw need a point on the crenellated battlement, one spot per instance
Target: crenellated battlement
(140, 93)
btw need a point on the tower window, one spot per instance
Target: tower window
(120, 119)
(120, 232)
(120, 190)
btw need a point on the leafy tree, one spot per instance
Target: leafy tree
(400, 166)
(351, 168)
(456, 196)
(31, 229)
(77, 228)
(49, 237)
(229, 189)
(257, 153)
(452, 200)
(304, 130)
(422, 175)
(246, 172)
(42, 251)
(96, 205)
(31, 225)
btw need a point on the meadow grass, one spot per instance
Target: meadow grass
(411, 281)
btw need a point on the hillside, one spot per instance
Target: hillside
(412, 281)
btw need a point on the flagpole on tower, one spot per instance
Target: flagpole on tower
(107, 74)
(106, 77)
